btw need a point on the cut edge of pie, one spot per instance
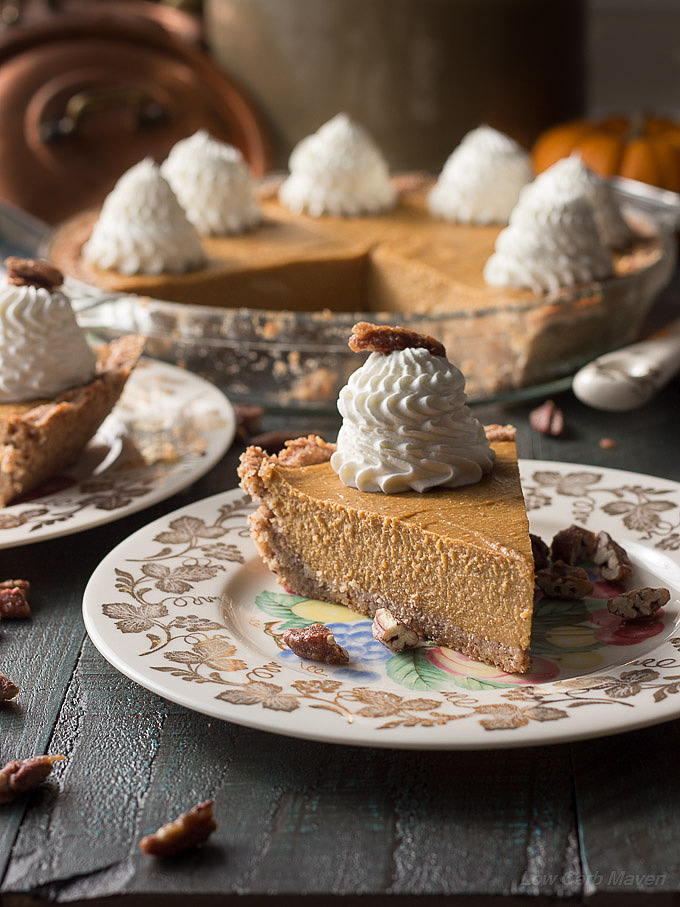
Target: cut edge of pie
(40, 438)
(470, 589)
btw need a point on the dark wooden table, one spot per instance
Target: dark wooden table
(311, 823)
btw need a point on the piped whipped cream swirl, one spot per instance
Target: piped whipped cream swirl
(43, 351)
(339, 171)
(406, 425)
(213, 184)
(571, 178)
(552, 241)
(481, 179)
(142, 228)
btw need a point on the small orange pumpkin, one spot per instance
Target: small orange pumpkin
(640, 148)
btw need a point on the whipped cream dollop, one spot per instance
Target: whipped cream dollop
(552, 241)
(338, 170)
(571, 178)
(213, 184)
(481, 179)
(142, 228)
(406, 425)
(43, 351)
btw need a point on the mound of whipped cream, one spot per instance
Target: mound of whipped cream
(338, 170)
(43, 351)
(142, 228)
(481, 179)
(213, 184)
(571, 178)
(552, 240)
(406, 425)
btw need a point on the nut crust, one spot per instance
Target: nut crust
(316, 643)
(186, 831)
(22, 775)
(13, 602)
(496, 432)
(638, 603)
(612, 559)
(563, 581)
(382, 338)
(33, 272)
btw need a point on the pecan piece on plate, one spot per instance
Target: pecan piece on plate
(638, 603)
(13, 601)
(393, 633)
(22, 775)
(34, 272)
(564, 581)
(186, 831)
(547, 419)
(8, 690)
(612, 559)
(316, 643)
(540, 551)
(574, 545)
(382, 338)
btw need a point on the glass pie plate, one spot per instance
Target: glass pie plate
(300, 359)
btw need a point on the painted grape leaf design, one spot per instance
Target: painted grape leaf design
(413, 670)
(280, 605)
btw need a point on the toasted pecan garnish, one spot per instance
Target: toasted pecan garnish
(33, 272)
(8, 689)
(186, 831)
(382, 338)
(316, 643)
(638, 604)
(13, 599)
(22, 775)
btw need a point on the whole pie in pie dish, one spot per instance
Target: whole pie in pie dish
(299, 275)
(40, 437)
(453, 563)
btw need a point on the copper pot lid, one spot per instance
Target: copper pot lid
(84, 98)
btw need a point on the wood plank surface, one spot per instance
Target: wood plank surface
(305, 822)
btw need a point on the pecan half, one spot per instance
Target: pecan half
(612, 559)
(540, 551)
(547, 419)
(563, 581)
(393, 633)
(22, 775)
(316, 643)
(13, 601)
(248, 418)
(382, 338)
(638, 603)
(33, 272)
(8, 690)
(184, 832)
(574, 545)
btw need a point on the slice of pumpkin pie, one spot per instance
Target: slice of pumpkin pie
(55, 390)
(417, 509)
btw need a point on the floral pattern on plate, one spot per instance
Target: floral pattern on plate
(168, 429)
(186, 609)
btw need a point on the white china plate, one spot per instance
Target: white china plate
(185, 608)
(167, 430)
